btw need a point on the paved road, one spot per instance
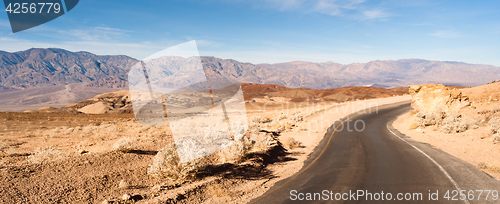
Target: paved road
(380, 159)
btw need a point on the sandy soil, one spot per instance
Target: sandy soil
(473, 146)
(312, 132)
(69, 158)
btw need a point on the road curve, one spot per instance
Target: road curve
(380, 159)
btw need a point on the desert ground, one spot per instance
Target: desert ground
(463, 122)
(65, 155)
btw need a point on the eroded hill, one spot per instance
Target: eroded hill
(119, 102)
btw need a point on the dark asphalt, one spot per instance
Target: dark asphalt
(376, 160)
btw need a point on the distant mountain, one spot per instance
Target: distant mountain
(42, 67)
(55, 77)
(387, 73)
(383, 74)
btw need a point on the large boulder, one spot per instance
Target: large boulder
(432, 99)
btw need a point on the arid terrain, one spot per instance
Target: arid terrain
(95, 151)
(53, 77)
(463, 122)
(241, 101)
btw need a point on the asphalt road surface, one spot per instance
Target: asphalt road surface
(358, 166)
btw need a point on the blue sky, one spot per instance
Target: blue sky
(271, 31)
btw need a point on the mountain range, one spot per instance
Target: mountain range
(80, 73)
(42, 67)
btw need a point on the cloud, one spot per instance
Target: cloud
(336, 7)
(446, 34)
(353, 9)
(282, 5)
(95, 33)
(375, 14)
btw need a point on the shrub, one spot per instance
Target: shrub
(254, 127)
(257, 119)
(238, 130)
(45, 155)
(279, 118)
(456, 124)
(482, 165)
(495, 138)
(297, 118)
(124, 145)
(236, 151)
(435, 118)
(166, 164)
(262, 141)
(290, 143)
(189, 150)
(280, 125)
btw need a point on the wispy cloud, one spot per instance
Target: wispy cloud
(336, 8)
(446, 34)
(96, 33)
(354, 9)
(375, 14)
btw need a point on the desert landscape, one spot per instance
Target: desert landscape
(60, 147)
(245, 101)
(94, 150)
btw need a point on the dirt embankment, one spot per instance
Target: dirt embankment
(464, 123)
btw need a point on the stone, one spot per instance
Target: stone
(432, 98)
(126, 196)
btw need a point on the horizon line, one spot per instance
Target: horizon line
(428, 60)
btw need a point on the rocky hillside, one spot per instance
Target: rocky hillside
(454, 110)
(119, 102)
(41, 67)
(388, 73)
(54, 77)
(336, 95)
(44, 67)
(385, 74)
